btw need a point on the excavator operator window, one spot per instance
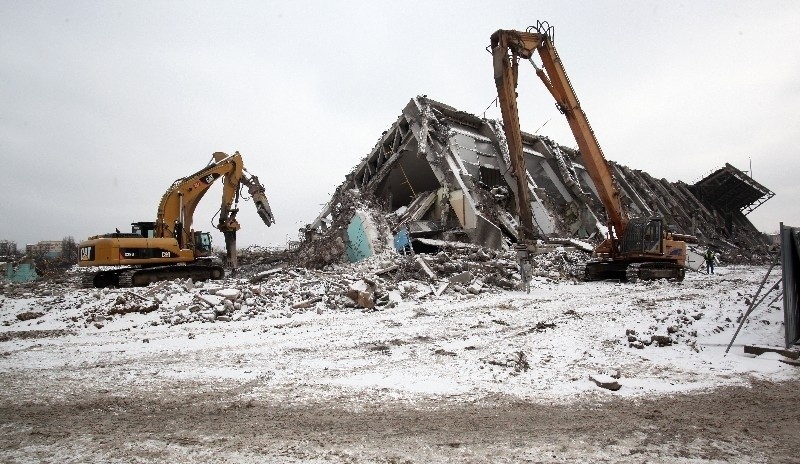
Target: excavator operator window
(145, 229)
(202, 241)
(642, 236)
(652, 238)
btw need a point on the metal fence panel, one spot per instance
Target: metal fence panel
(790, 262)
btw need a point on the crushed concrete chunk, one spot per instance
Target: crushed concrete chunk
(213, 300)
(229, 293)
(475, 288)
(605, 381)
(28, 315)
(363, 293)
(463, 278)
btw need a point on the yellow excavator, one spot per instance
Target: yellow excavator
(169, 248)
(636, 248)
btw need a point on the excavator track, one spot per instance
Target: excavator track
(633, 272)
(653, 271)
(604, 270)
(126, 279)
(87, 281)
(143, 276)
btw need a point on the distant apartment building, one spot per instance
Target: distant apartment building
(8, 248)
(46, 248)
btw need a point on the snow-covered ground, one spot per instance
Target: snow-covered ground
(541, 346)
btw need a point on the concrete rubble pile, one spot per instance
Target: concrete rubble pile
(430, 213)
(358, 229)
(42, 287)
(381, 281)
(442, 174)
(255, 255)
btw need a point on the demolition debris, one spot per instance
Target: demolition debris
(381, 281)
(442, 175)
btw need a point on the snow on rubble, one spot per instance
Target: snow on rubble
(454, 325)
(378, 282)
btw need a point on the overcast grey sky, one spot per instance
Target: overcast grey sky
(103, 104)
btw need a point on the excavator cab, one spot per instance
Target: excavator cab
(144, 228)
(202, 243)
(643, 236)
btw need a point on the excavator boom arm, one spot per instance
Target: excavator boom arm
(506, 70)
(176, 209)
(508, 46)
(175, 213)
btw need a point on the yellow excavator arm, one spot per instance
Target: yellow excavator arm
(176, 209)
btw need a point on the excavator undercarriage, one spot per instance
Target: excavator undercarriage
(600, 269)
(140, 277)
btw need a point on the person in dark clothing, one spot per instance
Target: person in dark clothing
(709, 257)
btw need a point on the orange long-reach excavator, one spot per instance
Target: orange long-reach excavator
(636, 248)
(169, 248)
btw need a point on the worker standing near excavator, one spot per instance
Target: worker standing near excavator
(710, 256)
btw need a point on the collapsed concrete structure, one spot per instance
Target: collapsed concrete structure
(439, 174)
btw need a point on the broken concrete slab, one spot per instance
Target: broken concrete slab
(211, 300)
(231, 294)
(307, 303)
(463, 278)
(424, 266)
(759, 350)
(441, 288)
(475, 288)
(605, 381)
(363, 238)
